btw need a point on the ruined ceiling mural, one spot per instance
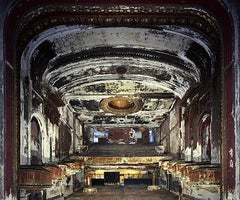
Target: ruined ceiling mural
(124, 75)
(121, 64)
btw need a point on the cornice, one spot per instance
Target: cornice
(48, 16)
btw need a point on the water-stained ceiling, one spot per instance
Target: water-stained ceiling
(118, 75)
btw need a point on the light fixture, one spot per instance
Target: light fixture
(101, 129)
(141, 128)
(121, 105)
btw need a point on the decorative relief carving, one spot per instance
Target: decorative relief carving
(42, 18)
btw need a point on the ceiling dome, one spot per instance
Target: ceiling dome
(121, 105)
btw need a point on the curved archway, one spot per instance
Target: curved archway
(36, 142)
(205, 133)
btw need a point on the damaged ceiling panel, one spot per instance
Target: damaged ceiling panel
(120, 75)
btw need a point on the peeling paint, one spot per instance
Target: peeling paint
(91, 37)
(86, 64)
(210, 192)
(197, 153)
(10, 197)
(215, 155)
(188, 154)
(85, 61)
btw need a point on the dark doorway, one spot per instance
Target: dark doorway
(111, 178)
(96, 182)
(139, 181)
(41, 195)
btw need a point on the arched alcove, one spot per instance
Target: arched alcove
(205, 133)
(36, 142)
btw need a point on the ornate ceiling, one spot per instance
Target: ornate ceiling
(117, 65)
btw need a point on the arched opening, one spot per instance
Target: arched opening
(36, 142)
(205, 132)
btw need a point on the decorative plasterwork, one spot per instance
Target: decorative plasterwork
(41, 18)
(85, 64)
(136, 51)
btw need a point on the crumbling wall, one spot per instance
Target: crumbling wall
(174, 127)
(170, 131)
(165, 134)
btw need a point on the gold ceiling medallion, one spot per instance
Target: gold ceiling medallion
(142, 128)
(121, 105)
(101, 129)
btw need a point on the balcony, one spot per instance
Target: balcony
(34, 176)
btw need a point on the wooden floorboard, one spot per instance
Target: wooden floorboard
(135, 192)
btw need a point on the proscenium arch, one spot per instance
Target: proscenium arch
(12, 71)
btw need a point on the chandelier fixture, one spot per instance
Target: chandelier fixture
(121, 105)
(101, 129)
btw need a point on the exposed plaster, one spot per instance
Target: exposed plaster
(209, 192)
(188, 154)
(2, 178)
(197, 153)
(174, 128)
(10, 196)
(144, 66)
(120, 37)
(138, 71)
(215, 155)
(195, 36)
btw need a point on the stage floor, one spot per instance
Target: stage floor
(130, 192)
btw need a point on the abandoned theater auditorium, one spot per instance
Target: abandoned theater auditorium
(101, 95)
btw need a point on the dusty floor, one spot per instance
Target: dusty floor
(124, 193)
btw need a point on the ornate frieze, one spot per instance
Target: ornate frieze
(47, 16)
